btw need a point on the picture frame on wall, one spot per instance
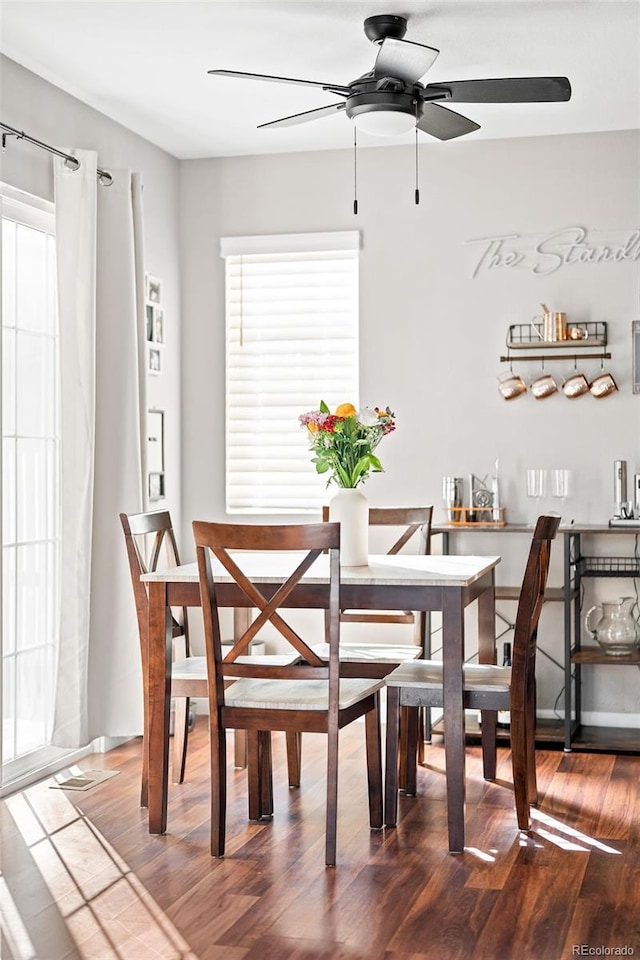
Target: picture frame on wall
(153, 289)
(158, 325)
(154, 361)
(149, 318)
(155, 441)
(156, 486)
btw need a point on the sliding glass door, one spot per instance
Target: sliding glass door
(30, 484)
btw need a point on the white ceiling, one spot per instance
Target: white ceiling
(145, 64)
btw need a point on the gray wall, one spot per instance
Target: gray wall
(432, 335)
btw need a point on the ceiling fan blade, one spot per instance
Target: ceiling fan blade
(444, 124)
(517, 90)
(333, 87)
(403, 60)
(303, 117)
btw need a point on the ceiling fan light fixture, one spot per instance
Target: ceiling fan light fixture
(382, 113)
(384, 122)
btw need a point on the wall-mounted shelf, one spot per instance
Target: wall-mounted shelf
(522, 338)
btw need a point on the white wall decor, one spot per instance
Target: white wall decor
(573, 246)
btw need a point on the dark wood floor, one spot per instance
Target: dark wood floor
(85, 880)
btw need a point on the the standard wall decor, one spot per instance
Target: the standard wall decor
(544, 255)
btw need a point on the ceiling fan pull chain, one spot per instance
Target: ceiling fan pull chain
(417, 191)
(355, 172)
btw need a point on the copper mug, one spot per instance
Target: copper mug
(575, 385)
(603, 385)
(578, 333)
(512, 386)
(544, 386)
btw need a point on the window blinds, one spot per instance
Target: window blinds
(291, 341)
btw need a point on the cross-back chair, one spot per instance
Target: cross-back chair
(309, 696)
(151, 542)
(487, 688)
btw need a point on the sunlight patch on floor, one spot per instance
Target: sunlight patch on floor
(60, 873)
(578, 841)
(480, 854)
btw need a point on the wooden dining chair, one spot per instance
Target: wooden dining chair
(150, 541)
(411, 528)
(309, 696)
(485, 687)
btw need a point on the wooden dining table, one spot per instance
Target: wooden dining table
(402, 582)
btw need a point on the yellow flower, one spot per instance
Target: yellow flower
(312, 427)
(345, 410)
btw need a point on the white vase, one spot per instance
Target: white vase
(350, 509)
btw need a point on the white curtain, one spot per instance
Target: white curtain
(115, 677)
(75, 196)
(100, 684)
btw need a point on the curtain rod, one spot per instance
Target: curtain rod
(104, 176)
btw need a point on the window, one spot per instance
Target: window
(30, 476)
(291, 341)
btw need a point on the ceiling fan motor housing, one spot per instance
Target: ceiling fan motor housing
(385, 25)
(380, 101)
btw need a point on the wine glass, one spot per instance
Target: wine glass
(536, 486)
(560, 485)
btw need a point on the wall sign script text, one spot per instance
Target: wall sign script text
(569, 247)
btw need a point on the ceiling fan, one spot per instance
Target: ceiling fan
(390, 99)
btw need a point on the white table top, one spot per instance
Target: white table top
(383, 570)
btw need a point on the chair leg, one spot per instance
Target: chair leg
(180, 735)
(374, 764)
(489, 744)
(391, 767)
(218, 753)
(266, 774)
(519, 766)
(428, 727)
(409, 738)
(422, 733)
(240, 749)
(294, 756)
(532, 780)
(259, 775)
(332, 793)
(144, 777)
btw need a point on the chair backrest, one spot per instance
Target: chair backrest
(530, 606)
(312, 540)
(413, 519)
(417, 528)
(151, 542)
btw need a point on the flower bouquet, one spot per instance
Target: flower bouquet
(344, 442)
